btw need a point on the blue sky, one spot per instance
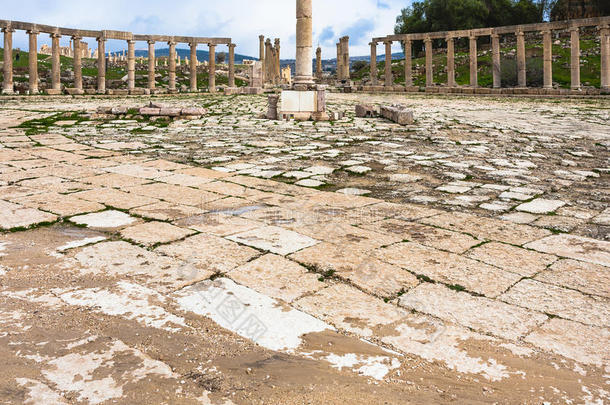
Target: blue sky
(242, 20)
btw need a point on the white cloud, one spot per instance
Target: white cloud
(242, 20)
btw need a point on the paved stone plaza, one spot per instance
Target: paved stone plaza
(231, 259)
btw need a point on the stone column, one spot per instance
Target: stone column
(212, 69)
(429, 72)
(276, 62)
(389, 80)
(496, 66)
(604, 33)
(408, 64)
(345, 57)
(304, 68)
(33, 61)
(78, 65)
(373, 68)
(261, 54)
(450, 61)
(193, 67)
(547, 59)
(575, 57)
(319, 63)
(231, 65)
(152, 63)
(55, 63)
(521, 68)
(474, 76)
(101, 65)
(131, 65)
(339, 62)
(7, 84)
(172, 66)
(268, 66)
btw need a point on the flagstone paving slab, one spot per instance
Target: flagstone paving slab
(17, 216)
(60, 204)
(218, 224)
(209, 253)
(586, 344)
(478, 313)
(115, 198)
(109, 219)
(274, 239)
(541, 206)
(275, 277)
(559, 301)
(585, 277)
(164, 211)
(152, 233)
(511, 258)
(449, 268)
(574, 247)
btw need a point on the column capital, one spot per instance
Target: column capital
(151, 42)
(212, 45)
(54, 35)
(232, 46)
(387, 41)
(407, 41)
(519, 33)
(472, 36)
(261, 37)
(8, 29)
(495, 35)
(131, 41)
(32, 32)
(171, 43)
(545, 31)
(100, 39)
(603, 27)
(76, 37)
(193, 44)
(449, 38)
(373, 43)
(427, 39)
(574, 29)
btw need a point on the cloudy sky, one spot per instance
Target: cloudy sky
(242, 20)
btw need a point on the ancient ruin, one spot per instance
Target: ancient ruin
(262, 230)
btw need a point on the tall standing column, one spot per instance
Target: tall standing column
(101, 65)
(345, 57)
(55, 63)
(131, 65)
(450, 61)
(429, 71)
(389, 80)
(231, 65)
(268, 61)
(276, 61)
(33, 61)
(604, 33)
(495, 61)
(521, 68)
(319, 63)
(152, 63)
(474, 76)
(193, 67)
(304, 68)
(339, 62)
(78, 64)
(261, 54)
(547, 59)
(575, 57)
(212, 69)
(7, 84)
(373, 68)
(408, 63)
(172, 66)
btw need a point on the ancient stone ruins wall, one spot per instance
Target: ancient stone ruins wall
(33, 30)
(545, 29)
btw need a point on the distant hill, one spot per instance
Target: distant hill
(186, 53)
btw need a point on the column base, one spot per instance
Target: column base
(8, 91)
(75, 91)
(53, 92)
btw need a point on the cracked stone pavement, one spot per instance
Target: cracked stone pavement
(233, 260)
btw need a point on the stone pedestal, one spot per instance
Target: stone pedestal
(304, 105)
(212, 69)
(521, 68)
(547, 59)
(272, 101)
(575, 58)
(389, 80)
(474, 75)
(152, 63)
(33, 61)
(55, 63)
(495, 61)
(101, 65)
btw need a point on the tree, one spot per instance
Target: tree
(221, 57)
